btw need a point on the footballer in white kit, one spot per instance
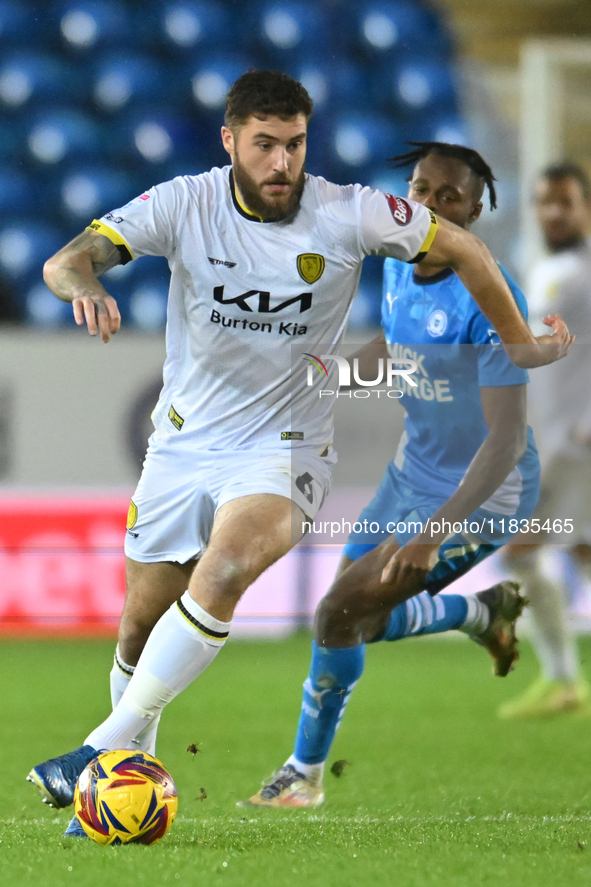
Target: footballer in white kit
(560, 402)
(262, 257)
(233, 418)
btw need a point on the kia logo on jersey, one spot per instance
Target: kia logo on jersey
(264, 301)
(400, 209)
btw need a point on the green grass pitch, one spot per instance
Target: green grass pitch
(437, 791)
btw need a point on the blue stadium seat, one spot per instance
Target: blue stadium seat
(451, 128)
(360, 141)
(148, 303)
(366, 306)
(422, 85)
(18, 23)
(212, 76)
(24, 247)
(43, 309)
(392, 27)
(29, 78)
(391, 181)
(319, 149)
(60, 135)
(86, 192)
(104, 98)
(11, 140)
(289, 27)
(141, 291)
(120, 81)
(154, 138)
(334, 84)
(316, 80)
(18, 194)
(86, 25)
(153, 268)
(183, 25)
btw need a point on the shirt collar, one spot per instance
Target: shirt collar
(239, 205)
(434, 278)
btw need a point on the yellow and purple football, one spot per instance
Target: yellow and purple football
(125, 797)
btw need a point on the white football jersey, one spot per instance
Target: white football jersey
(559, 393)
(244, 292)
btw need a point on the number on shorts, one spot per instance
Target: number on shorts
(304, 485)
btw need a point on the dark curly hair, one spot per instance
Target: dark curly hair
(469, 156)
(266, 93)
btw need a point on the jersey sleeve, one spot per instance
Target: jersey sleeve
(494, 366)
(394, 226)
(146, 225)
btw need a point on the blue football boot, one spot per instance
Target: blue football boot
(74, 829)
(56, 779)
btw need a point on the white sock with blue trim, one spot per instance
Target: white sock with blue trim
(184, 641)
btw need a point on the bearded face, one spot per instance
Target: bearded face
(268, 155)
(275, 198)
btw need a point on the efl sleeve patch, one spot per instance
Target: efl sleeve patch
(114, 237)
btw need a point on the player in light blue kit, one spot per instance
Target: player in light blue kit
(467, 458)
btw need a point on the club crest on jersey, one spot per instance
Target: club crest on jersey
(132, 515)
(310, 267)
(400, 209)
(437, 323)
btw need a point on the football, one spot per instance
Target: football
(125, 797)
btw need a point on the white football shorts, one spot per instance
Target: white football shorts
(172, 510)
(565, 493)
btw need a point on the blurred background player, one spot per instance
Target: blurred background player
(466, 453)
(561, 403)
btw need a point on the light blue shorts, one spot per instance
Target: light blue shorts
(398, 509)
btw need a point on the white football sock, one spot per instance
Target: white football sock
(182, 644)
(477, 617)
(552, 638)
(121, 674)
(313, 772)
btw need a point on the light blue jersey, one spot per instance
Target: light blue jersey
(435, 322)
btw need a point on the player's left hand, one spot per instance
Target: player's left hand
(560, 338)
(410, 564)
(549, 347)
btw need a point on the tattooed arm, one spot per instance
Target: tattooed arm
(71, 274)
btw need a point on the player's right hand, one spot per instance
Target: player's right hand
(409, 565)
(100, 313)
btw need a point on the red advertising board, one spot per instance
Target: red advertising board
(62, 571)
(61, 563)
